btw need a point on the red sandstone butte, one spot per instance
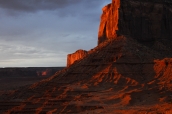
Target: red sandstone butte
(109, 21)
(79, 54)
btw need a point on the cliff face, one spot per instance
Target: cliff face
(109, 22)
(148, 21)
(145, 21)
(79, 54)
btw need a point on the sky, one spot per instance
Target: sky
(40, 33)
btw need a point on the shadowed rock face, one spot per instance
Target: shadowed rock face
(79, 54)
(146, 21)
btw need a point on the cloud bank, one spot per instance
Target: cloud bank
(43, 32)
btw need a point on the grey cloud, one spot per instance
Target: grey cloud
(36, 5)
(45, 31)
(24, 52)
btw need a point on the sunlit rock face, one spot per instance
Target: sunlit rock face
(109, 21)
(144, 20)
(79, 54)
(147, 21)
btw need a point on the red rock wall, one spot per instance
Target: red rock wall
(109, 21)
(147, 21)
(79, 54)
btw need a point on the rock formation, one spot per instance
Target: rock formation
(79, 54)
(46, 72)
(144, 20)
(109, 21)
(147, 20)
(119, 76)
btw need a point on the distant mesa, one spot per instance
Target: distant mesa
(46, 72)
(28, 72)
